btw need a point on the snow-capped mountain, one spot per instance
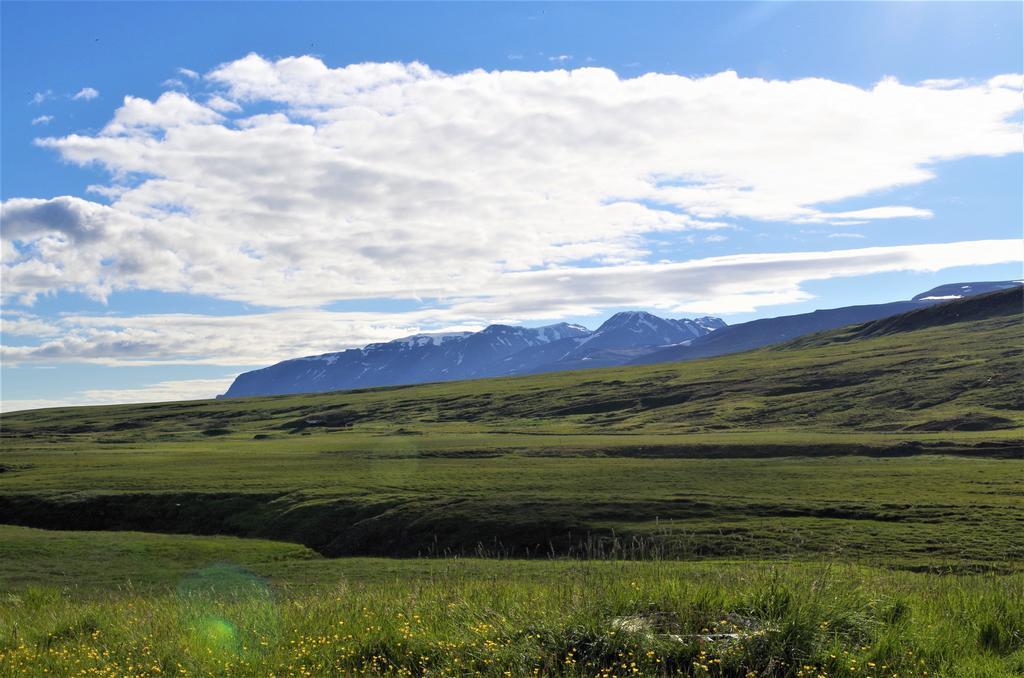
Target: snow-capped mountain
(636, 328)
(960, 290)
(494, 351)
(622, 338)
(631, 337)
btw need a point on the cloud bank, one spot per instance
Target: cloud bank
(714, 285)
(392, 180)
(163, 391)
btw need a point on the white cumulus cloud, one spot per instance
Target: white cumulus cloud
(86, 94)
(396, 180)
(219, 103)
(717, 285)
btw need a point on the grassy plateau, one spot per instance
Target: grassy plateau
(849, 503)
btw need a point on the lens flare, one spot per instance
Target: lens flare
(207, 598)
(217, 634)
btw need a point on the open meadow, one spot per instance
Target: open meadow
(850, 503)
(511, 339)
(124, 603)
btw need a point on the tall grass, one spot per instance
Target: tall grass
(554, 618)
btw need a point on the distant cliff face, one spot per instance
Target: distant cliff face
(497, 350)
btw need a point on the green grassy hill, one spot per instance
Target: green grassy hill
(118, 604)
(898, 442)
(895, 445)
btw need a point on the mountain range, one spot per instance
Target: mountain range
(498, 350)
(630, 337)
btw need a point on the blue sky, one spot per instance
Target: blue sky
(246, 205)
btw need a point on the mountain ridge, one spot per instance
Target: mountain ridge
(625, 338)
(768, 331)
(496, 350)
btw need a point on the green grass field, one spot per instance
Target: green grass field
(851, 497)
(79, 603)
(902, 448)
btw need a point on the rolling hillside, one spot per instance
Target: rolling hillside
(768, 331)
(835, 438)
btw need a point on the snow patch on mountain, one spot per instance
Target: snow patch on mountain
(434, 338)
(496, 350)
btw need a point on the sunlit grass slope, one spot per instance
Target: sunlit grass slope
(897, 441)
(121, 604)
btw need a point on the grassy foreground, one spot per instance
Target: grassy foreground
(265, 608)
(849, 504)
